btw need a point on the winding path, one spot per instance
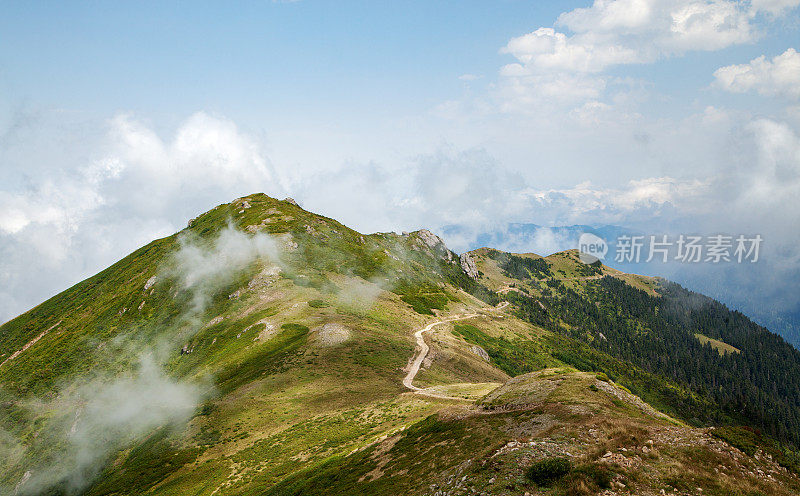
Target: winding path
(408, 380)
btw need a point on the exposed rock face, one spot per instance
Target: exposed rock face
(480, 352)
(264, 279)
(434, 243)
(468, 265)
(216, 320)
(431, 240)
(290, 200)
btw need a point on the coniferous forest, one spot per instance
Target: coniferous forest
(755, 385)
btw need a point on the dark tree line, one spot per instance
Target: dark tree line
(760, 385)
(521, 267)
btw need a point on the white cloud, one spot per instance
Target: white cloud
(771, 175)
(637, 199)
(93, 420)
(614, 32)
(429, 190)
(523, 88)
(700, 25)
(202, 269)
(208, 156)
(568, 62)
(73, 217)
(777, 77)
(546, 49)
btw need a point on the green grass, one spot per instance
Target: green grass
(150, 462)
(721, 347)
(421, 453)
(512, 357)
(422, 297)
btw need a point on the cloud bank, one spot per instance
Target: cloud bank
(777, 77)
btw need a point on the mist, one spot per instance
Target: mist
(94, 417)
(203, 268)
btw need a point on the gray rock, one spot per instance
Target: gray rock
(434, 243)
(480, 352)
(431, 240)
(468, 265)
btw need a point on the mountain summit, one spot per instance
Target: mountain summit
(268, 350)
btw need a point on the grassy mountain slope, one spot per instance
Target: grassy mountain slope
(653, 325)
(262, 350)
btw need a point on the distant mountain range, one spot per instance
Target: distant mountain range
(750, 288)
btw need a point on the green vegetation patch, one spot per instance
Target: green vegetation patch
(721, 347)
(594, 476)
(423, 451)
(545, 472)
(147, 464)
(521, 267)
(512, 357)
(270, 358)
(751, 440)
(573, 479)
(422, 297)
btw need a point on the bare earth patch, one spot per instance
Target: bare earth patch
(330, 334)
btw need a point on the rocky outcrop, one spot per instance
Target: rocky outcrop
(480, 352)
(468, 265)
(431, 240)
(434, 244)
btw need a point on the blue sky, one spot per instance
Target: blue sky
(248, 62)
(283, 56)
(120, 121)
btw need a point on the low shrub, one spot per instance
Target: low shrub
(587, 480)
(549, 470)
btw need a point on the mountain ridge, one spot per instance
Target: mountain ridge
(263, 349)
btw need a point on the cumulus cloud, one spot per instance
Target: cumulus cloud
(643, 30)
(569, 61)
(777, 77)
(432, 189)
(546, 49)
(769, 172)
(754, 181)
(637, 199)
